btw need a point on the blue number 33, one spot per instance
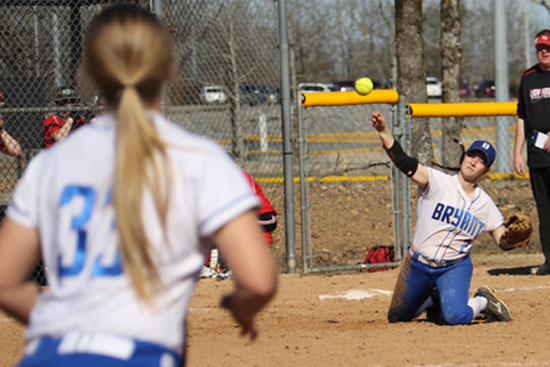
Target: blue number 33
(79, 225)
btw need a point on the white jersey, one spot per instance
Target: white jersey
(448, 220)
(65, 194)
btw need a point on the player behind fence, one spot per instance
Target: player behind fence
(267, 215)
(452, 211)
(8, 144)
(123, 211)
(58, 125)
(267, 218)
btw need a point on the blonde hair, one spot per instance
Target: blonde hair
(129, 56)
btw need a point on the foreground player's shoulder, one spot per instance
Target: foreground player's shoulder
(37, 166)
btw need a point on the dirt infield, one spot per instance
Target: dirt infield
(340, 320)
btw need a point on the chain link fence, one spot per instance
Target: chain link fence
(350, 201)
(498, 130)
(225, 87)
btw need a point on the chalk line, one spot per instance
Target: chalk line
(523, 289)
(356, 295)
(482, 364)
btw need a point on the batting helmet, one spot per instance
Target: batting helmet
(66, 95)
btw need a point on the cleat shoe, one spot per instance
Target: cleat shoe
(544, 269)
(496, 309)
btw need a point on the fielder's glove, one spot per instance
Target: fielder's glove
(517, 233)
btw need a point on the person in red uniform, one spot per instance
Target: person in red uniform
(267, 218)
(58, 126)
(267, 215)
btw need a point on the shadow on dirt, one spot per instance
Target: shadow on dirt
(522, 270)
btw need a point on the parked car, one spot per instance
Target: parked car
(274, 95)
(433, 87)
(344, 85)
(213, 94)
(253, 94)
(465, 90)
(315, 87)
(389, 84)
(485, 88)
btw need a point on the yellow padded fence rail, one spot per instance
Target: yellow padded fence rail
(462, 109)
(389, 96)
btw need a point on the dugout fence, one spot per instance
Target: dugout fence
(347, 181)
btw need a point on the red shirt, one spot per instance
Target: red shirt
(265, 206)
(51, 125)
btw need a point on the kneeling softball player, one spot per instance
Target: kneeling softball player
(452, 211)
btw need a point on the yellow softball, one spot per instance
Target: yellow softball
(363, 86)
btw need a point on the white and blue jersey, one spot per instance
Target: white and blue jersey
(448, 220)
(65, 195)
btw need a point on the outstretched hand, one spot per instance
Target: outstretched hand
(243, 318)
(377, 121)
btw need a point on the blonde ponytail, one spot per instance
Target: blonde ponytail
(129, 55)
(137, 143)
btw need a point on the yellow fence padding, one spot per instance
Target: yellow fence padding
(462, 109)
(389, 96)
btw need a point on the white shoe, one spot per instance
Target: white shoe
(205, 272)
(224, 275)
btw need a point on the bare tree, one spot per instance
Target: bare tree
(432, 31)
(411, 81)
(315, 44)
(477, 40)
(451, 52)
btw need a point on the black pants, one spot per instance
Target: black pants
(540, 183)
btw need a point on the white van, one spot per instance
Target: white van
(315, 87)
(433, 87)
(213, 94)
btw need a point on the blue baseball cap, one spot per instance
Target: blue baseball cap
(484, 147)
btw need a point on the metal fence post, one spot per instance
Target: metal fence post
(396, 179)
(156, 6)
(406, 193)
(288, 166)
(303, 188)
(502, 137)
